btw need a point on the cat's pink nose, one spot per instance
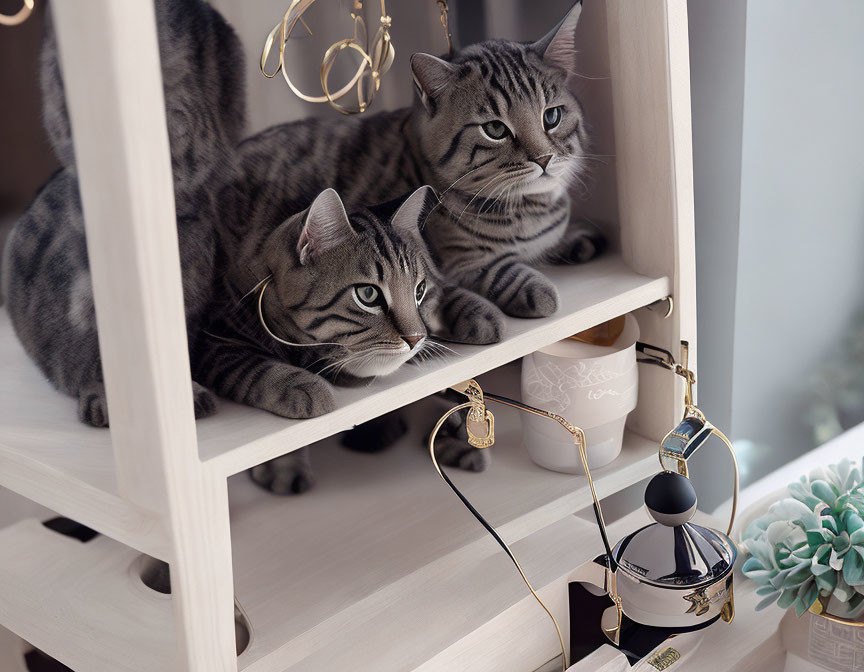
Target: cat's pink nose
(543, 161)
(411, 339)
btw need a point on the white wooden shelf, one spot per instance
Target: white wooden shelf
(238, 438)
(378, 541)
(352, 571)
(83, 600)
(40, 435)
(470, 604)
(380, 530)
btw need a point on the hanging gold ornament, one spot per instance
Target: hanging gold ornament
(376, 57)
(18, 17)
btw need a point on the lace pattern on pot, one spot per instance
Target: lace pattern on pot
(553, 384)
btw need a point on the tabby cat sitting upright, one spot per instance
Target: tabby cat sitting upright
(46, 270)
(494, 130)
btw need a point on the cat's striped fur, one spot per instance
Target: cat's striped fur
(505, 203)
(46, 270)
(314, 270)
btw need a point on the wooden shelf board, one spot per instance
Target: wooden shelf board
(42, 439)
(379, 531)
(47, 455)
(378, 542)
(82, 603)
(238, 438)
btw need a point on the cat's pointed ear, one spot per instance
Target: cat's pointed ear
(558, 48)
(411, 215)
(431, 76)
(326, 226)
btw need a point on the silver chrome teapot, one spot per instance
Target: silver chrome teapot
(671, 574)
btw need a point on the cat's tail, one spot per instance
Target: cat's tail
(55, 117)
(203, 71)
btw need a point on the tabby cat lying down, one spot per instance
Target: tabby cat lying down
(46, 268)
(497, 133)
(494, 130)
(320, 297)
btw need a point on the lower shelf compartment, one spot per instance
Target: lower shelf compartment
(82, 602)
(378, 567)
(382, 546)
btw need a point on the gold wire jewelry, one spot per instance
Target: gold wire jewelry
(691, 435)
(270, 332)
(445, 23)
(664, 358)
(478, 413)
(380, 60)
(376, 57)
(18, 17)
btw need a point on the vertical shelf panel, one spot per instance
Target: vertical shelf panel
(649, 50)
(113, 82)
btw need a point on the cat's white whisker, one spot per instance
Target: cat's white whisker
(492, 180)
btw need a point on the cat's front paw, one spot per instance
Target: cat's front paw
(299, 394)
(454, 451)
(93, 405)
(290, 474)
(377, 434)
(204, 399)
(583, 246)
(469, 318)
(452, 448)
(536, 296)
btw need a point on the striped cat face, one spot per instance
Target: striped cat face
(499, 118)
(364, 283)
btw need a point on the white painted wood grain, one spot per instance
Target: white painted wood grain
(82, 603)
(113, 85)
(377, 530)
(649, 64)
(39, 424)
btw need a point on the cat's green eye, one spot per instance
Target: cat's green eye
(495, 129)
(420, 291)
(369, 298)
(552, 117)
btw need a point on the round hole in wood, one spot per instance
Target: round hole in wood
(156, 575)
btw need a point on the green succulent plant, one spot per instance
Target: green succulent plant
(811, 544)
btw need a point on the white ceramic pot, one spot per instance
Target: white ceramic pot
(815, 643)
(592, 386)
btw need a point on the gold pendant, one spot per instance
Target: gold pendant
(480, 420)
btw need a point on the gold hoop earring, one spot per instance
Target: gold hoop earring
(376, 57)
(18, 17)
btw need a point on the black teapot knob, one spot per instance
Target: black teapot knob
(670, 498)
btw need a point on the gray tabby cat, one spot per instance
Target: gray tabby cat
(494, 130)
(498, 134)
(318, 297)
(46, 271)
